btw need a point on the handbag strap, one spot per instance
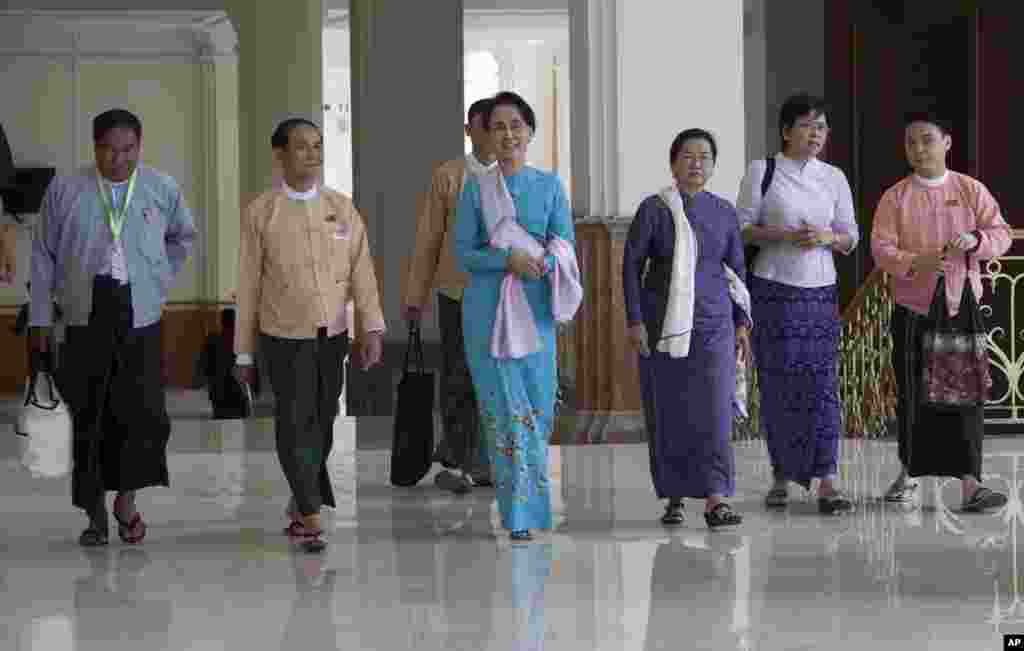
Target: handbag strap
(939, 295)
(769, 172)
(967, 296)
(41, 364)
(414, 349)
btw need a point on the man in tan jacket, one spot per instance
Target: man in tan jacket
(303, 255)
(434, 266)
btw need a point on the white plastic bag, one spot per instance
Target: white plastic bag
(44, 429)
(740, 397)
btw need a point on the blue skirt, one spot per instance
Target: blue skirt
(796, 347)
(688, 412)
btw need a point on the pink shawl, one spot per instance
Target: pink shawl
(515, 330)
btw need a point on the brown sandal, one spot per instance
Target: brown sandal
(299, 530)
(132, 532)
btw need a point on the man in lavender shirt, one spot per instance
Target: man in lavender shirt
(109, 242)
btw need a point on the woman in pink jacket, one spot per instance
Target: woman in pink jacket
(934, 222)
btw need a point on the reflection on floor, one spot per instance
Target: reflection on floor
(420, 569)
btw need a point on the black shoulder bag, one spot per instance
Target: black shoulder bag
(750, 250)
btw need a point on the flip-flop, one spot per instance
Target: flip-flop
(834, 503)
(982, 500)
(299, 530)
(309, 539)
(776, 497)
(722, 516)
(674, 514)
(133, 531)
(93, 537)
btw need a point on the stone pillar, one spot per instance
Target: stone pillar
(636, 83)
(280, 75)
(217, 45)
(407, 116)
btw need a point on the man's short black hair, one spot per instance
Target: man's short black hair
(480, 108)
(279, 139)
(114, 119)
(928, 116)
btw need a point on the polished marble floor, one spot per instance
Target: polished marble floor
(420, 569)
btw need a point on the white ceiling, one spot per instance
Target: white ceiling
(23, 22)
(218, 5)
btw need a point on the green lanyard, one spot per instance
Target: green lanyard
(116, 217)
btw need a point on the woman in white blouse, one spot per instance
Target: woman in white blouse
(798, 210)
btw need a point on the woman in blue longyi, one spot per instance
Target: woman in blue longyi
(510, 309)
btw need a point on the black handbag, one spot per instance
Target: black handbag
(412, 444)
(955, 372)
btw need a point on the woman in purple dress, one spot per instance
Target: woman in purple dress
(683, 251)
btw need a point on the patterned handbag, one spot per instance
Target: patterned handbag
(955, 370)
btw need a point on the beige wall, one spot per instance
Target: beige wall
(66, 71)
(711, 98)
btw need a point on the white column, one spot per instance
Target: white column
(643, 71)
(207, 206)
(762, 137)
(218, 117)
(594, 44)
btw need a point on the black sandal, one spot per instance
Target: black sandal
(97, 534)
(722, 516)
(94, 537)
(482, 482)
(776, 497)
(833, 504)
(313, 545)
(674, 514)
(444, 457)
(982, 500)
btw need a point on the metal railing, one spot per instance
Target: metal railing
(867, 380)
(867, 386)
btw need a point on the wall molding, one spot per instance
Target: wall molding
(89, 33)
(594, 43)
